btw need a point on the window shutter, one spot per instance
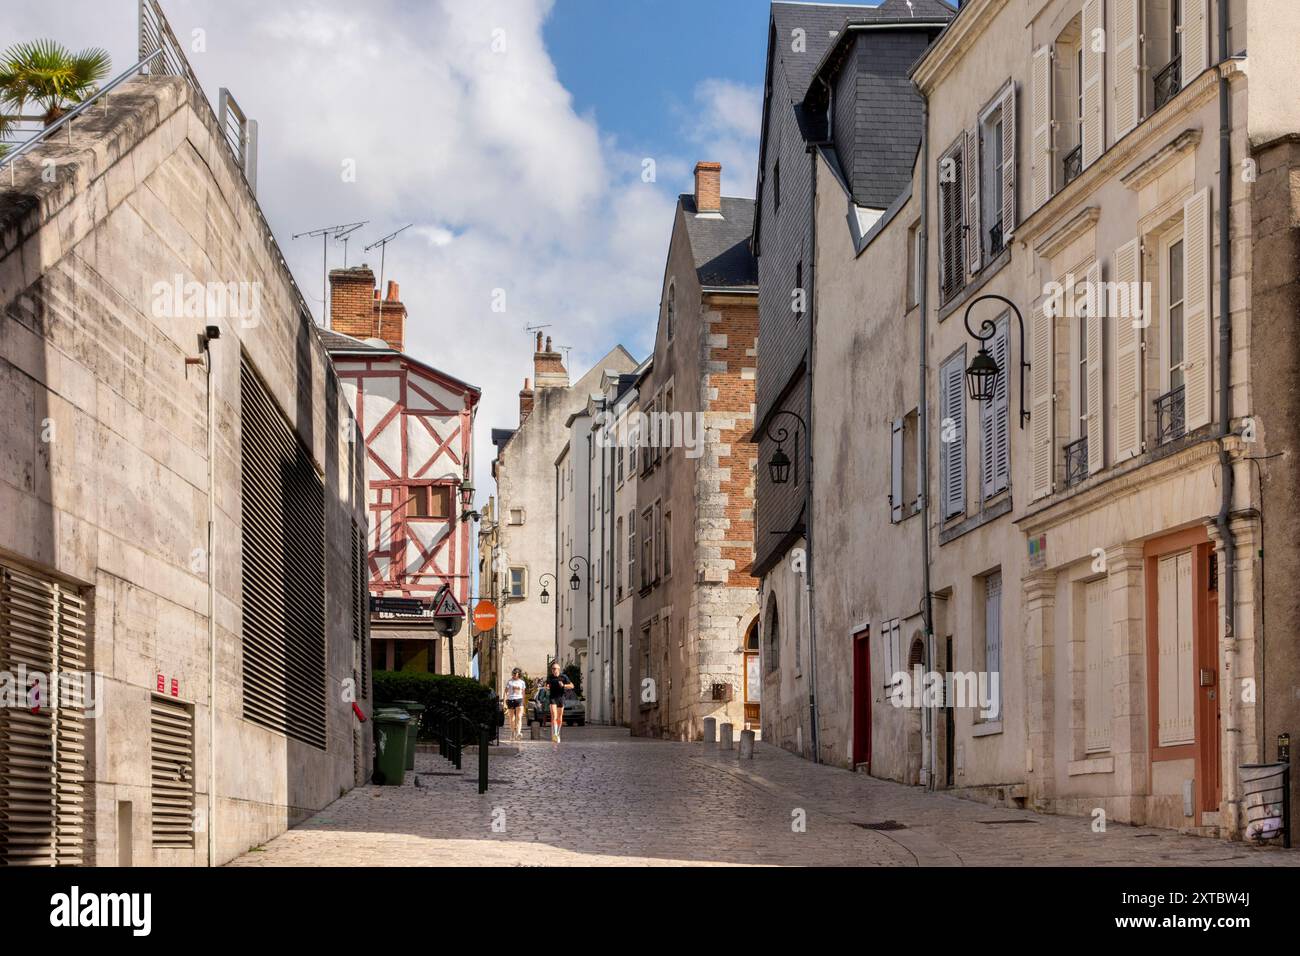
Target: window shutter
(995, 458)
(1127, 278)
(953, 457)
(171, 759)
(1197, 283)
(1041, 120)
(1094, 72)
(1175, 677)
(1040, 400)
(993, 631)
(896, 472)
(1008, 163)
(970, 165)
(1126, 37)
(1096, 383)
(1196, 43)
(1098, 679)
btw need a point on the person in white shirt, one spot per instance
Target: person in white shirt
(515, 702)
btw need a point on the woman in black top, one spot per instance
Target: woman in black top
(556, 685)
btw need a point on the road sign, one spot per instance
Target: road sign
(485, 616)
(396, 605)
(444, 605)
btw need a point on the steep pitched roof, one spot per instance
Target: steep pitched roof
(336, 343)
(818, 21)
(720, 246)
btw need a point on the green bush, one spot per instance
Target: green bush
(469, 695)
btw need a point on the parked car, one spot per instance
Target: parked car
(575, 710)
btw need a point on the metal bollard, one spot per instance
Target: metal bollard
(710, 730)
(483, 737)
(746, 745)
(726, 736)
(456, 731)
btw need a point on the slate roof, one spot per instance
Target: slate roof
(346, 344)
(502, 435)
(720, 247)
(817, 20)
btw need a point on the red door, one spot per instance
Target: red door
(862, 699)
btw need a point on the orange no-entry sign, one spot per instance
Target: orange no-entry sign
(485, 615)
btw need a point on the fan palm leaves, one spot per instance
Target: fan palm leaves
(50, 75)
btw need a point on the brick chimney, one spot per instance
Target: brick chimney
(548, 367)
(355, 307)
(708, 187)
(525, 402)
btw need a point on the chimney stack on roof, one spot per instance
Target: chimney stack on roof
(708, 187)
(525, 402)
(357, 310)
(548, 368)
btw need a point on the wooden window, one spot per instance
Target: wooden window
(517, 579)
(1129, 405)
(1195, 288)
(951, 219)
(1125, 36)
(1041, 385)
(1174, 675)
(952, 435)
(430, 501)
(1040, 98)
(631, 547)
(1092, 74)
(647, 547)
(668, 544)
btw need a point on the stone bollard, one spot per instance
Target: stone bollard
(534, 732)
(746, 745)
(726, 736)
(710, 730)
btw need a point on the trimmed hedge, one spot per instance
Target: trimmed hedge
(469, 695)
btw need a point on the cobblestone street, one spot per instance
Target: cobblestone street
(605, 798)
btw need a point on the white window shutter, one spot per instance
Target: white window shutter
(1041, 386)
(995, 437)
(970, 165)
(1196, 41)
(1197, 243)
(1127, 278)
(1099, 680)
(1008, 163)
(1094, 73)
(993, 628)
(1126, 36)
(952, 424)
(1040, 94)
(1095, 383)
(896, 472)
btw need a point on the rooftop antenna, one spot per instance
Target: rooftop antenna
(325, 232)
(383, 248)
(344, 235)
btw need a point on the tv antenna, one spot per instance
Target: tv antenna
(383, 248)
(343, 236)
(325, 232)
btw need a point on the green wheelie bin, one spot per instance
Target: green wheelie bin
(390, 746)
(415, 709)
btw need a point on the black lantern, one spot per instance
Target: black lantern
(779, 466)
(982, 376)
(575, 582)
(545, 596)
(467, 494)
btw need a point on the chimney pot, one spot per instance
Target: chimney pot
(539, 342)
(708, 187)
(392, 291)
(548, 343)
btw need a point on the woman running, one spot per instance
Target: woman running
(515, 703)
(556, 685)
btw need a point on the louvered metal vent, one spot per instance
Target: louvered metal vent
(283, 571)
(360, 610)
(171, 765)
(43, 747)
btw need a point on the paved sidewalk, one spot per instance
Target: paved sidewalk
(605, 798)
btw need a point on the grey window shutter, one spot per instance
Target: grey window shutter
(993, 627)
(896, 472)
(1001, 407)
(952, 435)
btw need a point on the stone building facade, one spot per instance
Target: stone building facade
(526, 502)
(1092, 536)
(182, 513)
(694, 533)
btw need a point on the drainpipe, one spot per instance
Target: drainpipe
(1232, 722)
(212, 613)
(810, 304)
(922, 408)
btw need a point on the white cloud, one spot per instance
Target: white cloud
(507, 185)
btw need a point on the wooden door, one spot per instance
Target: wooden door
(862, 699)
(753, 678)
(1209, 770)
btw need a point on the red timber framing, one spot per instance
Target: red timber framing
(417, 424)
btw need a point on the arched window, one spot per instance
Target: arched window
(772, 630)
